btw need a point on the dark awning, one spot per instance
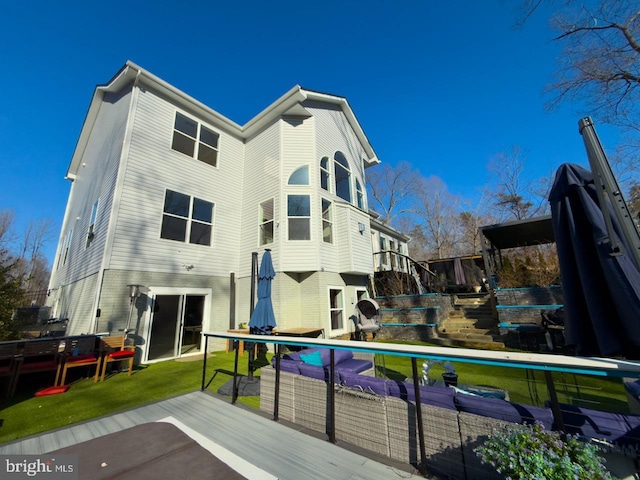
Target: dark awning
(520, 233)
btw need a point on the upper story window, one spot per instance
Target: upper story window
(300, 176)
(187, 219)
(359, 195)
(324, 173)
(64, 253)
(194, 139)
(266, 222)
(299, 217)
(92, 224)
(327, 221)
(343, 176)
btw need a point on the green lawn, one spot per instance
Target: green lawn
(27, 415)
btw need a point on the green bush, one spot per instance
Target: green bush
(530, 452)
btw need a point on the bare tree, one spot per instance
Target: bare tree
(392, 189)
(515, 196)
(438, 215)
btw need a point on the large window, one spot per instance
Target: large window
(299, 216)
(187, 219)
(336, 308)
(196, 140)
(327, 221)
(266, 222)
(343, 176)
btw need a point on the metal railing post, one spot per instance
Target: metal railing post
(332, 398)
(276, 406)
(422, 466)
(234, 391)
(204, 361)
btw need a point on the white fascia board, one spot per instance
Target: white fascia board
(388, 230)
(281, 106)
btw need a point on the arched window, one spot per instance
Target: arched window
(343, 176)
(324, 173)
(359, 195)
(300, 176)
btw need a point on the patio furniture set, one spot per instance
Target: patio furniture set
(379, 414)
(58, 355)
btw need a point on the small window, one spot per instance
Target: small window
(300, 176)
(185, 133)
(324, 173)
(266, 222)
(359, 195)
(67, 247)
(186, 219)
(336, 309)
(92, 224)
(383, 256)
(327, 221)
(392, 247)
(343, 177)
(299, 216)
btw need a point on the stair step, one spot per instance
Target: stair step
(452, 342)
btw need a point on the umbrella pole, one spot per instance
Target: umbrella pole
(254, 274)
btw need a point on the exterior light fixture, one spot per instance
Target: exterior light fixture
(361, 227)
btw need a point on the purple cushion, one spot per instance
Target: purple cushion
(291, 366)
(339, 356)
(615, 427)
(633, 387)
(436, 396)
(504, 410)
(354, 364)
(365, 383)
(314, 372)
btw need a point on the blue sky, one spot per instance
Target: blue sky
(442, 85)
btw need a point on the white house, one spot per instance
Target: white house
(173, 197)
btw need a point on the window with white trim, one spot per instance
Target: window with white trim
(392, 247)
(194, 139)
(359, 195)
(327, 221)
(343, 176)
(300, 176)
(299, 217)
(383, 256)
(187, 219)
(92, 224)
(336, 308)
(266, 222)
(325, 175)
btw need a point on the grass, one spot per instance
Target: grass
(26, 415)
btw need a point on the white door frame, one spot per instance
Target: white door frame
(153, 291)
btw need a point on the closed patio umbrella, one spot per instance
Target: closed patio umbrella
(601, 287)
(263, 320)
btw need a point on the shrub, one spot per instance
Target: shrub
(530, 452)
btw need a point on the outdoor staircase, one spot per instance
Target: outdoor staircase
(470, 324)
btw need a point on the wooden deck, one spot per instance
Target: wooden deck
(273, 447)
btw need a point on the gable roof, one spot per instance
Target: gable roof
(288, 104)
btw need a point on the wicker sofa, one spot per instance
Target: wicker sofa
(380, 415)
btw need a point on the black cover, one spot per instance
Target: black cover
(601, 291)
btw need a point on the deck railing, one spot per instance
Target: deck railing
(545, 363)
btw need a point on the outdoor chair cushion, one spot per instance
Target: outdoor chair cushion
(312, 359)
(623, 429)
(368, 384)
(52, 391)
(122, 354)
(295, 356)
(504, 410)
(633, 387)
(354, 364)
(291, 366)
(311, 371)
(435, 396)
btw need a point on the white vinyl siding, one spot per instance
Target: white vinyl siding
(95, 180)
(152, 168)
